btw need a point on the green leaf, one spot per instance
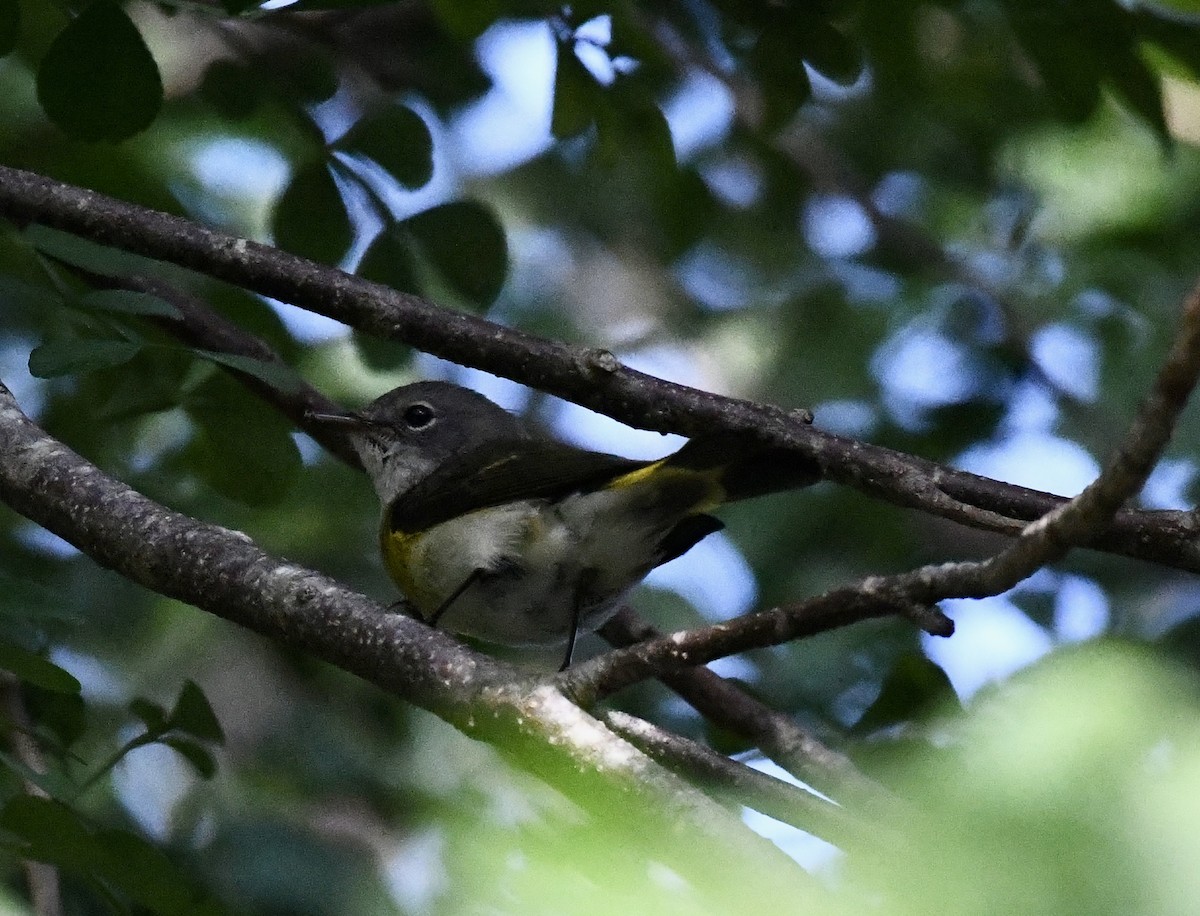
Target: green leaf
(280, 376)
(64, 715)
(243, 448)
(388, 260)
(197, 755)
(232, 89)
(153, 716)
(127, 302)
(98, 80)
(74, 355)
(913, 689)
(10, 25)
(35, 669)
(142, 872)
(50, 831)
(380, 354)
(466, 245)
(193, 715)
(398, 140)
(311, 219)
(576, 94)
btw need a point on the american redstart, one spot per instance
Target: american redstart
(495, 531)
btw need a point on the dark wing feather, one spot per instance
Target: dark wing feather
(503, 472)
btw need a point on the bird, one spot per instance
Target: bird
(495, 530)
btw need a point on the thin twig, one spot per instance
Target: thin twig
(734, 783)
(776, 734)
(1072, 523)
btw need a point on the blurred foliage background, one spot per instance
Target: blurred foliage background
(959, 228)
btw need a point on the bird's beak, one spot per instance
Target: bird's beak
(334, 419)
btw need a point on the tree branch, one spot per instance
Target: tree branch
(1073, 523)
(719, 700)
(588, 377)
(223, 572)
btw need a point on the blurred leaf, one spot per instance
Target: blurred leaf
(91, 256)
(279, 376)
(576, 94)
(199, 757)
(153, 716)
(636, 130)
(141, 871)
(380, 354)
(36, 669)
(243, 449)
(310, 218)
(779, 72)
(299, 70)
(915, 688)
(10, 25)
(467, 20)
(193, 714)
(127, 302)
(466, 245)
(389, 261)
(64, 715)
(50, 831)
(233, 89)
(98, 80)
(832, 54)
(398, 139)
(75, 355)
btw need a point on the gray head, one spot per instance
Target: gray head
(403, 435)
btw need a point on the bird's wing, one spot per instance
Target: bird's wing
(503, 472)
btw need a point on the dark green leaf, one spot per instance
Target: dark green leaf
(80, 252)
(193, 714)
(468, 20)
(466, 245)
(98, 80)
(300, 71)
(780, 74)
(576, 94)
(142, 872)
(232, 89)
(280, 376)
(35, 669)
(311, 219)
(73, 355)
(153, 716)
(243, 448)
(62, 714)
(380, 354)
(398, 140)
(127, 302)
(914, 688)
(198, 756)
(832, 54)
(10, 25)
(51, 831)
(16, 293)
(389, 261)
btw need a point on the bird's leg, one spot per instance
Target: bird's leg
(586, 578)
(433, 618)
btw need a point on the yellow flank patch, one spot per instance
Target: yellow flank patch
(709, 492)
(397, 548)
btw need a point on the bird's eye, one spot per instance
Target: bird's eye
(418, 416)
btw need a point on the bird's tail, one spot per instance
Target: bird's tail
(744, 468)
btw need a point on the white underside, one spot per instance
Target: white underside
(540, 554)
